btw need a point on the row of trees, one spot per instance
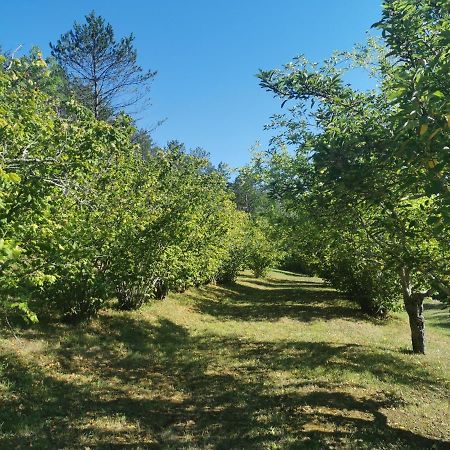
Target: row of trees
(90, 209)
(365, 194)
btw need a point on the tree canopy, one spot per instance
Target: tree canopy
(103, 71)
(355, 186)
(374, 164)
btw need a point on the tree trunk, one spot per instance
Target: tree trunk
(413, 302)
(414, 308)
(96, 100)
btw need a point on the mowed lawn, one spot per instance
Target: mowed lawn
(276, 363)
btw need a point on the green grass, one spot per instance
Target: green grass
(279, 363)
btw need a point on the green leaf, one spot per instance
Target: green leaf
(13, 177)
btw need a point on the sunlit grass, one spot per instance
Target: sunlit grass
(279, 363)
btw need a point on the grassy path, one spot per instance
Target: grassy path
(280, 363)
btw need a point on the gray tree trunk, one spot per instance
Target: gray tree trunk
(414, 307)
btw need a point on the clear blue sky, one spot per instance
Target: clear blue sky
(206, 53)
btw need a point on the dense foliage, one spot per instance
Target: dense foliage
(370, 171)
(355, 187)
(88, 215)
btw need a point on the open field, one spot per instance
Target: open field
(276, 363)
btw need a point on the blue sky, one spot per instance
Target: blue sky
(207, 54)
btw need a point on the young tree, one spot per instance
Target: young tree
(103, 72)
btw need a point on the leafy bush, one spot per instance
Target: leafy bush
(85, 217)
(262, 250)
(373, 288)
(237, 255)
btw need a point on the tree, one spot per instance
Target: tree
(103, 72)
(374, 176)
(249, 197)
(418, 37)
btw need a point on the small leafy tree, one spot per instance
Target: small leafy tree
(237, 246)
(263, 251)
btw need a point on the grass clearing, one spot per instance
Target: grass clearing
(276, 363)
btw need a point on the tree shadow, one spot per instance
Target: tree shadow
(300, 279)
(271, 300)
(123, 382)
(437, 314)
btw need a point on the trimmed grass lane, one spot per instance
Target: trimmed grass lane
(276, 363)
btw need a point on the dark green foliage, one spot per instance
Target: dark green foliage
(103, 72)
(133, 294)
(375, 289)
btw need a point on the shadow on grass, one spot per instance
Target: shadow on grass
(128, 383)
(272, 299)
(437, 315)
